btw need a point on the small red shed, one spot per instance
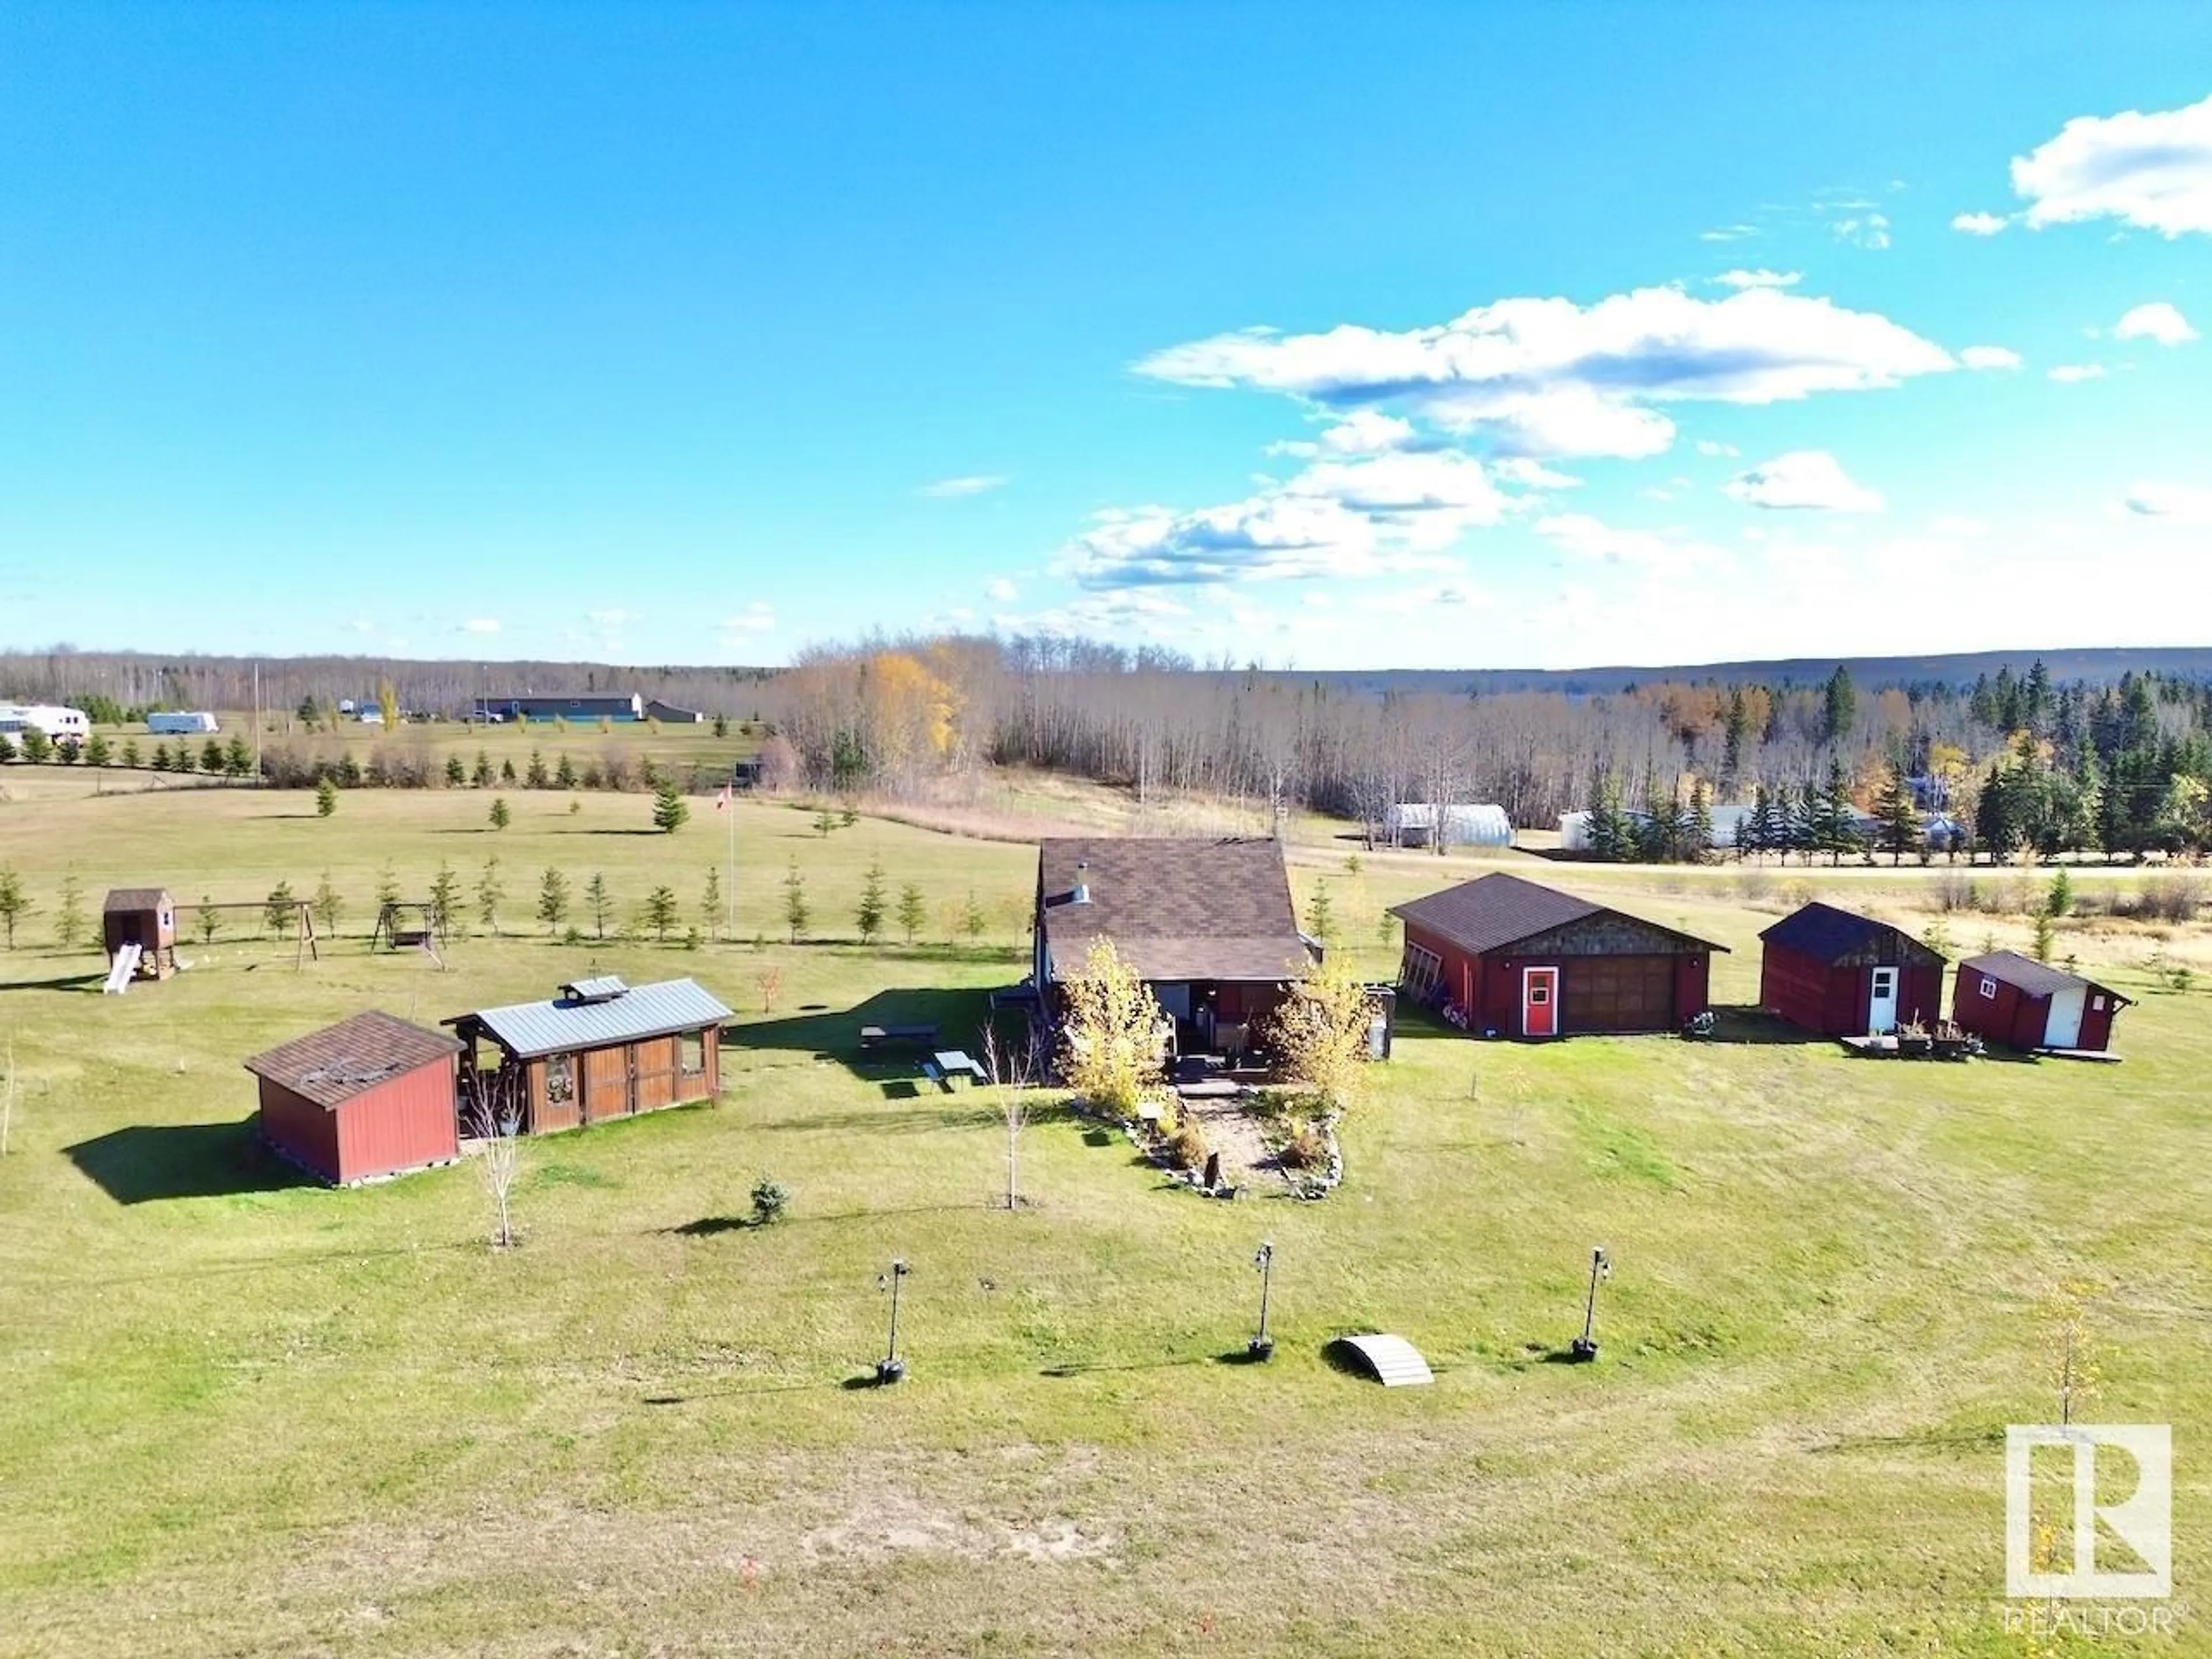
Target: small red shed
(1515, 959)
(371, 1095)
(2027, 1004)
(1844, 974)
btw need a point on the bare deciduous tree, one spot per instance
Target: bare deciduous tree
(495, 1122)
(1013, 1069)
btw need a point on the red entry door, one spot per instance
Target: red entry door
(1539, 1002)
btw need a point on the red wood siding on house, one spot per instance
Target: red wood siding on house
(406, 1122)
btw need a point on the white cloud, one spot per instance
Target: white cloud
(2073, 373)
(2180, 504)
(2153, 171)
(1809, 480)
(1871, 232)
(974, 483)
(1583, 537)
(1385, 514)
(1759, 278)
(999, 591)
(1549, 377)
(2156, 321)
(1989, 356)
(1979, 224)
(1364, 432)
(1532, 474)
(479, 625)
(1709, 447)
(608, 621)
(1728, 233)
(1955, 526)
(755, 619)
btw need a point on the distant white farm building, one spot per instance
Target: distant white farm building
(172, 724)
(1413, 823)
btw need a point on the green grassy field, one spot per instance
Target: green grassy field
(243, 1416)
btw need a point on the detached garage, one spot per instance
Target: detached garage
(2027, 1004)
(1844, 974)
(371, 1095)
(1508, 957)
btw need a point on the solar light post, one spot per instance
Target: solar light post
(1262, 1347)
(1584, 1347)
(890, 1368)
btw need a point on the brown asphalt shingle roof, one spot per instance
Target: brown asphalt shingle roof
(1175, 909)
(1493, 911)
(2027, 974)
(331, 1065)
(135, 898)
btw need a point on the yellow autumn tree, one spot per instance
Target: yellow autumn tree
(1110, 1034)
(1320, 1033)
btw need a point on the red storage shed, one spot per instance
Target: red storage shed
(2025, 1003)
(1515, 958)
(371, 1095)
(1844, 974)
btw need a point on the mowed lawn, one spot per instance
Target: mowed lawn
(239, 1415)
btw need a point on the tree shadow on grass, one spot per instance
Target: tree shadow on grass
(61, 983)
(1740, 1022)
(148, 1163)
(958, 1016)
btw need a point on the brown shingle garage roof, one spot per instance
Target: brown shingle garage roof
(1493, 911)
(331, 1065)
(1175, 909)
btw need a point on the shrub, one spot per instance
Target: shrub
(770, 1198)
(1952, 892)
(1304, 1147)
(1110, 1043)
(1187, 1147)
(1753, 885)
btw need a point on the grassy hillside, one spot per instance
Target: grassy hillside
(244, 1415)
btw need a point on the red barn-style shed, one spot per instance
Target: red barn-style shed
(2027, 1004)
(371, 1095)
(1844, 974)
(1515, 959)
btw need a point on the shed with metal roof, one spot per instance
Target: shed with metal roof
(601, 1049)
(372, 1096)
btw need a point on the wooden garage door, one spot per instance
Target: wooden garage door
(1617, 994)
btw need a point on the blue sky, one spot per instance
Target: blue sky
(1471, 336)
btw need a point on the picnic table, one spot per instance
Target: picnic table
(897, 1036)
(947, 1064)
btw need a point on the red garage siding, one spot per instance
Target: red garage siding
(405, 1123)
(300, 1131)
(1669, 988)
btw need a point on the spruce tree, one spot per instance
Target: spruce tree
(15, 903)
(795, 909)
(446, 899)
(669, 810)
(870, 913)
(661, 912)
(552, 899)
(913, 910)
(1899, 817)
(599, 902)
(710, 902)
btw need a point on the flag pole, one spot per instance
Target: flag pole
(730, 805)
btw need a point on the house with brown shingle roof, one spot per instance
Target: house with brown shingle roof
(1207, 924)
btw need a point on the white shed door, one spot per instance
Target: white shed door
(2063, 1029)
(1881, 1001)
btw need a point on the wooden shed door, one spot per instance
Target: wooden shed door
(1539, 1002)
(606, 1084)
